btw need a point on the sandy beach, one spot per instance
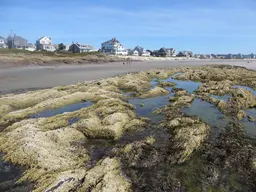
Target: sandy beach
(36, 77)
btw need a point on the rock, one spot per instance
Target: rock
(243, 99)
(240, 115)
(106, 176)
(251, 119)
(155, 92)
(187, 136)
(222, 105)
(166, 84)
(216, 88)
(180, 92)
(181, 101)
(45, 153)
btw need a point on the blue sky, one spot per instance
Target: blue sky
(203, 26)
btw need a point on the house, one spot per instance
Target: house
(45, 44)
(197, 56)
(80, 48)
(155, 53)
(114, 47)
(133, 52)
(239, 56)
(16, 42)
(67, 46)
(30, 47)
(2, 42)
(141, 51)
(185, 54)
(229, 56)
(151, 52)
(166, 52)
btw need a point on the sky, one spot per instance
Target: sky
(202, 26)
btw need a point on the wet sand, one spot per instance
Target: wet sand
(36, 77)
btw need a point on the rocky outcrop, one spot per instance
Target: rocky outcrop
(216, 87)
(166, 84)
(49, 155)
(155, 92)
(187, 136)
(106, 176)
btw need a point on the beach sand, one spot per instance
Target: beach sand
(37, 77)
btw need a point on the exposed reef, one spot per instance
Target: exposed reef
(148, 131)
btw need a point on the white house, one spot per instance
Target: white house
(30, 47)
(113, 46)
(2, 42)
(67, 46)
(45, 44)
(141, 51)
(80, 48)
(133, 52)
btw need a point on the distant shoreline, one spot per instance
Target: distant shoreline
(13, 60)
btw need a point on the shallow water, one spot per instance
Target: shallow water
(189, 86)
(61, 110)
(209, 114)
(145, 107)
(9, 175)
(224, 97)
(250, 127)
(246, 88)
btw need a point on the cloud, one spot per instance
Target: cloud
(93, 21)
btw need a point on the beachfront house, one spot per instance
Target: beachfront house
(185, 54)
(80, 48)
(229, 56)
(252, 56)
(2, 42)
(166, 52)
(133, 52)
(141, 51)
(45, 44)
(239, 56)
(16, 42)
(114, 47)
(30, 47)
(150, 52)
(67, 47)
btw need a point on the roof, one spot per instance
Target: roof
(139, 48)
(83, 46)
(114, 40)
(31, 45)
(43, 37)
(16, 38)
(166, 49)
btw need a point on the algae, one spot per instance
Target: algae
(116, 144)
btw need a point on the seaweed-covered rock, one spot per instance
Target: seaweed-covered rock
(166, 84)
(240, 115)
(106, 176)
(187, 135)
(251, 118)
(216, 87)
(181, 101)
(44, 152)
(180, 92)
(156, 91)
(140, 153)
(243, 99)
